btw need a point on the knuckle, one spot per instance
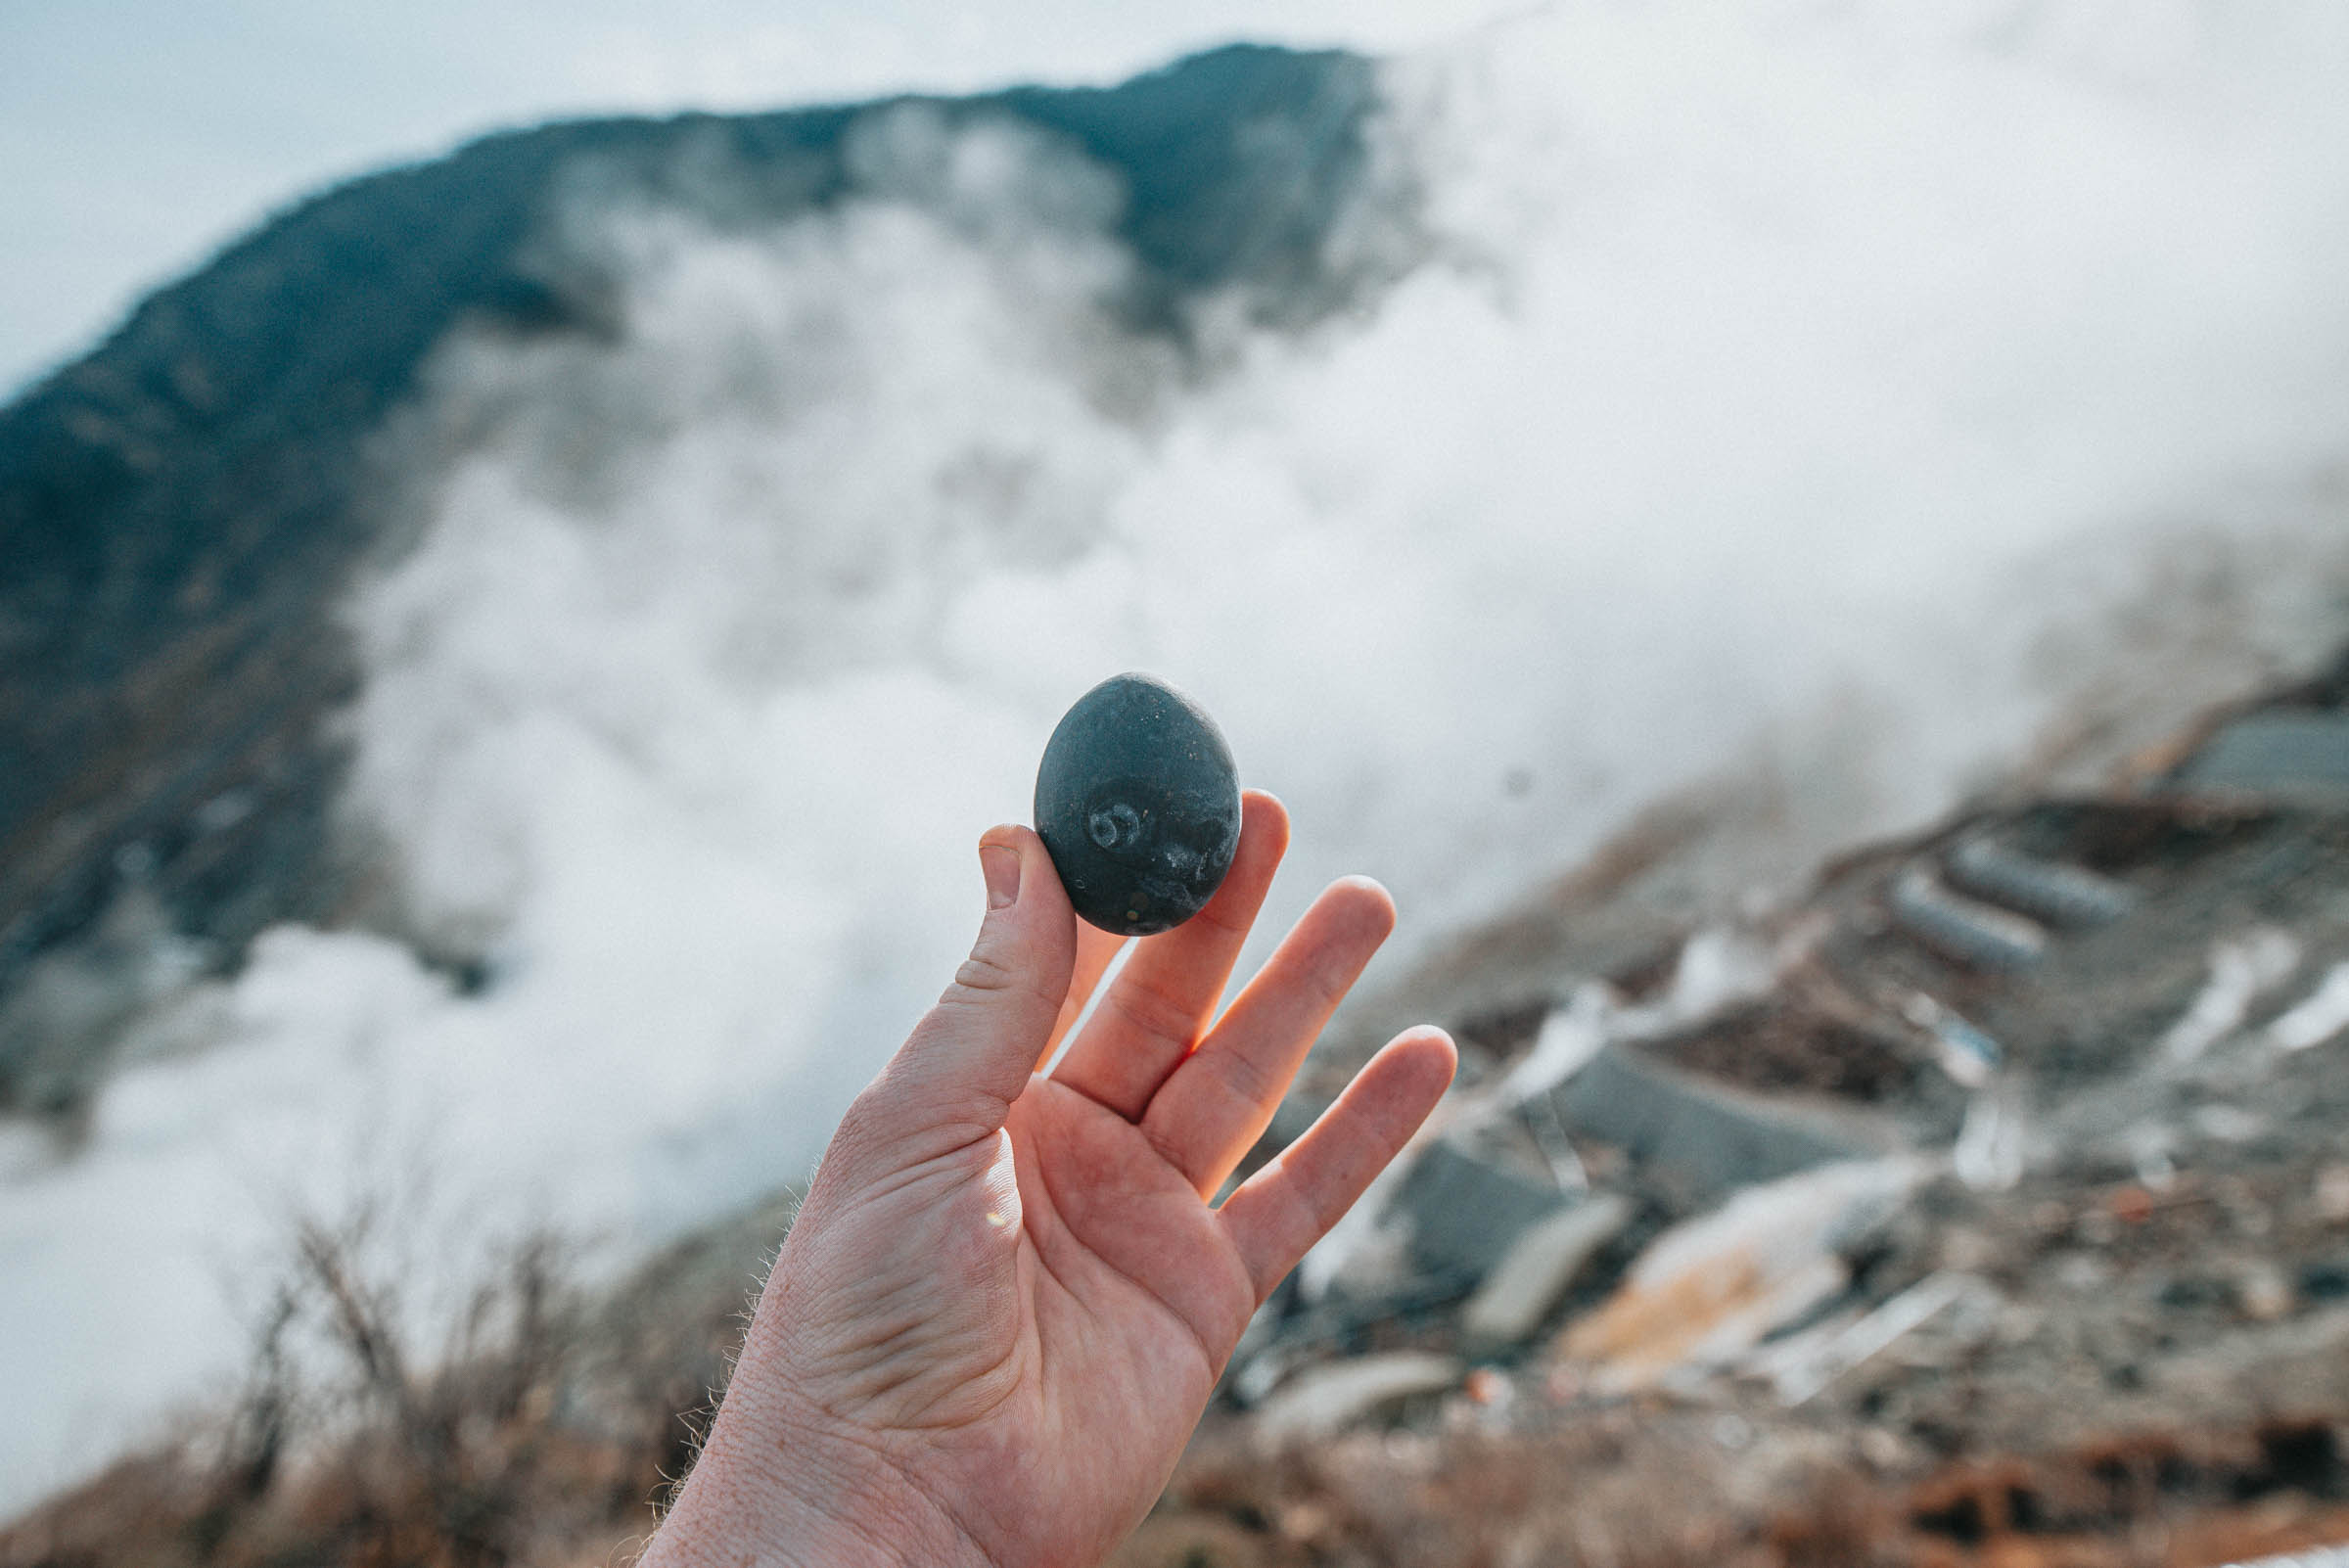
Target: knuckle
(1153, 1013)
(988, 978)
(985, 973)
(1228, 919)
(1244, 1078)
(981, 984)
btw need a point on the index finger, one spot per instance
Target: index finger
(1096, 949)
(1161, 1002)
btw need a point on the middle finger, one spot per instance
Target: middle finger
(1160, 1003)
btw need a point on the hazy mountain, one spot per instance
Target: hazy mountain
(181, 511)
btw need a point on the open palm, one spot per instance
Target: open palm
(1007, 1297)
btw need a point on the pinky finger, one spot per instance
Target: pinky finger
(1292, 1202)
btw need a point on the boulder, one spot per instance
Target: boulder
(1964, 930)
(1464, 1213)
(1702, 1140)
(2291, 754)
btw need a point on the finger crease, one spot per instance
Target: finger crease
(1158, 1012)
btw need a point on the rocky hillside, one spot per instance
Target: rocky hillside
(1985, 1205)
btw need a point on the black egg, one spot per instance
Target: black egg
(1139, 803)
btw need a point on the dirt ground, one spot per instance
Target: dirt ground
(2150, 1359)
(2133, 1352)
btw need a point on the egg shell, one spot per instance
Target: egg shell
(1139, 803)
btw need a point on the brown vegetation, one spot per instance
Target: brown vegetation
(1648, 1487)
(543, 1432)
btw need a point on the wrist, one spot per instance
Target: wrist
(785, 1494)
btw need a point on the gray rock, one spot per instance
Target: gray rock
(1964, 929)
(1465, 1213)
(2046, 890)
(2295, 756)
(1706, 1139)
(1534, 1276)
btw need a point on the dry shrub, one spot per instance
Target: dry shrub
(544, 1424)
(541, 1426)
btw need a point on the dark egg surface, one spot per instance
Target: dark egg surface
(1139, 803)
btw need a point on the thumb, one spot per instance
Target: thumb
(970, 1057)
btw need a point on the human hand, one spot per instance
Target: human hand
(1006, 1299)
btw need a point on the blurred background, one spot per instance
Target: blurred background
(1805, 541)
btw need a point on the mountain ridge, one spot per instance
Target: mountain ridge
(181, 509)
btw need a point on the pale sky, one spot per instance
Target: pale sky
(138, 135)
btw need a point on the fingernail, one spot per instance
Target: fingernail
(1000, 865)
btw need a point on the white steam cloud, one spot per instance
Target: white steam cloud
(1778, 363)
